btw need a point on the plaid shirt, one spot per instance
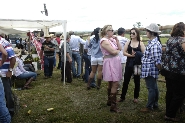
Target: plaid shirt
(151, 58)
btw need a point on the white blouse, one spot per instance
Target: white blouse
(18, 68)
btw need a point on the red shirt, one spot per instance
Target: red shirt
(58, 40)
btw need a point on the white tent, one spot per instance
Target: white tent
(11, 31)
(9, 24)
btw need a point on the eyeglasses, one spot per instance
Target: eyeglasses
(111, 30)
(132, 33)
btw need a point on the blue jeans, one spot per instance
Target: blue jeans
(4, 113)
(87, 60)
(8, 93)
(76, 58)
(27, 75)
(153, 92)
(48, 65)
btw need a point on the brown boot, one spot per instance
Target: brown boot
(113, 107)
(99, 83)
(27, 83)
(109, 98)
(89, 83)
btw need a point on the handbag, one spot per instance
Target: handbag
(137, 69)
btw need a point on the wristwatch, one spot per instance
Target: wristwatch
(10, 69)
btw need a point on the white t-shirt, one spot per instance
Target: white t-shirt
(122, 41)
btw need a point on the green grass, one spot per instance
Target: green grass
(72, 103)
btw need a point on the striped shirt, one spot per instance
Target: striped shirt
(46, 51)
(151, 57)
(7, 46)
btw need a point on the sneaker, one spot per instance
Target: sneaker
(121, 100)
(146, 110)
(135, 100)
(171, 119)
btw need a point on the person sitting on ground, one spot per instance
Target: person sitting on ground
(21, 73)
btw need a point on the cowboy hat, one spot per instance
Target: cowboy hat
(17, 51)
(47, 36)
(153, 27)
(62, 37)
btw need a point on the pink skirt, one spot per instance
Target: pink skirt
(112, 69)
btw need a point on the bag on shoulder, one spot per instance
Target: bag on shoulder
(137, 69)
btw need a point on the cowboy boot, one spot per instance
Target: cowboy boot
(89, 83)
(27, 83)
(99, 83)
(109, 98)
(113, 107)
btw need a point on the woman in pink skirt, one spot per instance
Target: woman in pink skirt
(112, 71)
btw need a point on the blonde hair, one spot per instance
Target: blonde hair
(103, 31)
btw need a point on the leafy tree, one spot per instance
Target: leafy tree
(137, 25)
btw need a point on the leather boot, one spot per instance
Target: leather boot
(109, 98)
(89, 83)
(98, 83)
(113, 107)
(26, 86)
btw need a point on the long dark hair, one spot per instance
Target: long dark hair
(154, 34)
(178, 30)
(96, 33)
(138, 34)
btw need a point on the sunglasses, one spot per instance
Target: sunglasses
(133, 33)
(111, 30)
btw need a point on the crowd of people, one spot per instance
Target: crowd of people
(109, 57)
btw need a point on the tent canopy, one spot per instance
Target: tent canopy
(38, 24)
(11, 31)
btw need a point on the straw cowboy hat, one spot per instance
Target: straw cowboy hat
(52, 35)
(153, 27)
(47, 36)
(62, 37)
(17, 51)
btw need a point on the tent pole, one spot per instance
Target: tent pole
(64, 30)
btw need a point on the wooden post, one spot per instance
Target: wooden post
(29, 41)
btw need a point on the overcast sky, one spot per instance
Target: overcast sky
(85, 15)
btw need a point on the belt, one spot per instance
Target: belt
(49, 56)
(74, 51)
(109, 56)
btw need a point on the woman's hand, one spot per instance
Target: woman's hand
(115, 37)
(133, 54)
(70, 60)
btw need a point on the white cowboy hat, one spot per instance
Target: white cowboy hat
(153, 27)
(17, 51)
(47, 36)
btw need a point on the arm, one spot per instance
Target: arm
(118, 43)
(156, 52)
(68, 56)
(20, 65)
(4, 55)
(142, 47)
(81, 41)
(67, 53)
(51, 49)
(107, 46)
(125, 53)
(183, 44)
